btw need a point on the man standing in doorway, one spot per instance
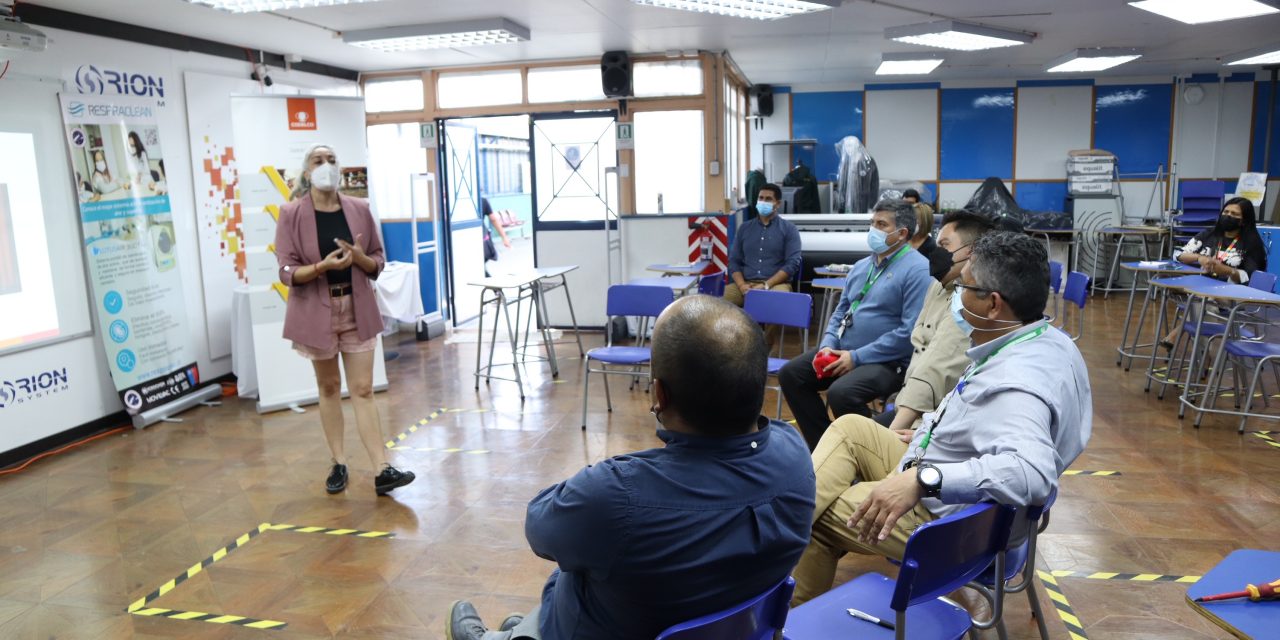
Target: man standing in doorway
(765, 254)
(490, 223)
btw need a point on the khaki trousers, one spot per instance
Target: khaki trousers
(735, 295)
(852, 457)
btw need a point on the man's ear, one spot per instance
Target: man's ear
(660, 399)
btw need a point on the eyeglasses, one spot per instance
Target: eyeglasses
(977, 289)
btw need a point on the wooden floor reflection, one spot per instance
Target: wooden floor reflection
(84, 534)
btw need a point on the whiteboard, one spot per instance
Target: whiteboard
(1199, 126)
(902, 133)
(1051, 122)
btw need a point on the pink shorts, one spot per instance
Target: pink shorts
(343, 314)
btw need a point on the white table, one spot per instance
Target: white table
(399, 296)
(679, 284)
(685, 269)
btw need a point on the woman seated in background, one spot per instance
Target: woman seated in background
(103, 182)
(1231, 250)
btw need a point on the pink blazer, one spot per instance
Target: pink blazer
(306, 319)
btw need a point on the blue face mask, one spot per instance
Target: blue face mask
(957, 313)
(765, 208)
(878, 240)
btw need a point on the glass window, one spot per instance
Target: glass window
(572, 158)
(669, 161)
(479, 89)
(395, 153)
(666, 78)
(393, 95)
(565, 84)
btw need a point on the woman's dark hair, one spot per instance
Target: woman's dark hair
(138, 149)
(1248, 219)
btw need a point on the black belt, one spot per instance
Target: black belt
(339, 290)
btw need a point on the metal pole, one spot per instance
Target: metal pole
(1271, 117)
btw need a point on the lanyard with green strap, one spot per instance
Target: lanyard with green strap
(872, 277)
(964, 379)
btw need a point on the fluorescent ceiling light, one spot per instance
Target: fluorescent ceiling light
(248, 6)
(1202, 11)
(1265, 55)
(960, 36)
(1093, 60)
(907, 64)
(442, 35)
(756, 9)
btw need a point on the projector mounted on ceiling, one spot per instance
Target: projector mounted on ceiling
(20, 37)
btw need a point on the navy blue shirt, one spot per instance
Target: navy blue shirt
(760, 250)
(649, 539)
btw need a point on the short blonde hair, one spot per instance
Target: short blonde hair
(304, 185)
(924, 219)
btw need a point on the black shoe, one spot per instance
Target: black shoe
(511, 622)
(391, 478)
(1166, 345)
(464, 623)
(337, 480)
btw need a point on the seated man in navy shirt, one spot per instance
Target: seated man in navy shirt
(765, 254)
(653, 538)
(870, 330)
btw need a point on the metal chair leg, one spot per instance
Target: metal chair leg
(586, 389)
(1036, 612)
(607, 399)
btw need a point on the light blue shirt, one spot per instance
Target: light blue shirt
(1013, 427)
(761, 250)
(881, 325)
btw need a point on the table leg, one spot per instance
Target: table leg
(572, 316)
(1137, 332)
(480, 339)
(1185, 398)
(1155, 339)
(511, 333)
(1124, 336)
(501, 302)
(538, 304)
(1219, 363)
(1180, 320)
(1115, 264)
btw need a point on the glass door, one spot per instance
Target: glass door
(462, 216)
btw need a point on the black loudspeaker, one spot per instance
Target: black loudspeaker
(762, 100)
(615, 74)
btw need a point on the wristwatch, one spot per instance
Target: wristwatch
(930, 479)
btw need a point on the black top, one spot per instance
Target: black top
(1245, 252)
(330, 225)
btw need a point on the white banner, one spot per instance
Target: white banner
(130, 247)
(271, 134)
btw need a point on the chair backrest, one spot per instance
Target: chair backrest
(1077, 291)
(756, 619)
(1055, 276)
(1263, 281)
(712, 284)
(637, 300)
(941, 556)
(779, 307)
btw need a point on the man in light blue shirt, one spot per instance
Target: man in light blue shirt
(870, 330)
(765, 254)
(1019, 416)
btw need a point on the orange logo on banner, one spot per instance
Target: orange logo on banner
(302, 114)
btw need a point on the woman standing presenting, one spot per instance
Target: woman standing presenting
(329, 252)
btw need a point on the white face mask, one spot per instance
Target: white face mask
(325, 177)
(102, 166)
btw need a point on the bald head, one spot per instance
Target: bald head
(710, 358)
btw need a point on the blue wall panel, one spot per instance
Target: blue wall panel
(397, 241)
(1041, 196)
(1134, 122)
(977, 133)
(826, 117)
(1261, 98)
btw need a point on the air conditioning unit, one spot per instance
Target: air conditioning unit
(17, 36)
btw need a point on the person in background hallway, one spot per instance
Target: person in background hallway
(870, 330)
(329, 252)
(492, 224)
(650, 539)
(1232, 250)
(938, 345)
(765, 254)
(1019, 416)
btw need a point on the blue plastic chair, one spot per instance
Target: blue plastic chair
(712, 284)
(1020, 559)
(623, 301)
(1260, 280)
(759, 618)
(940, 557)
(783, 308)
(1077, 293)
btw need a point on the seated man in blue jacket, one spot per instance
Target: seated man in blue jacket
(870, 330)
(653, 538)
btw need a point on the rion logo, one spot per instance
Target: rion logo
(76, 109)
(41, 385)
(92, 80)
(8, 394)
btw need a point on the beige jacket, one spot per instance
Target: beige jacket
(937, 353)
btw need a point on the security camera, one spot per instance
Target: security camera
(260, 75)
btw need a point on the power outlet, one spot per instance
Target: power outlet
(714, 169)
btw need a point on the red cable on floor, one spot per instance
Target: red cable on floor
(68, 447)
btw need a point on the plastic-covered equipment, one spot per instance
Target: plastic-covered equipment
(858, 179)
(893, 190)
(993, 199)
(806, 198)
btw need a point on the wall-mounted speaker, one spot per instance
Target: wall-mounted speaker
(615, 74)
(762, 100)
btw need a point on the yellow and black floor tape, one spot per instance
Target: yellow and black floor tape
(1131, 577)
(1083, 472)
(414, 428)
(139, 607)
(1074, 628)
(1267, 437)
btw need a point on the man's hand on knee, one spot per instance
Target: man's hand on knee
(890, 500)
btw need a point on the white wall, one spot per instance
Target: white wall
(90, 394)
(1212, 137)
(775, 127)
